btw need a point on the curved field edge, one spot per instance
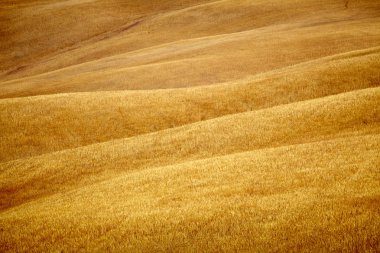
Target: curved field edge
(200, 63)
(350, 114)
(251, 200)
(37, 125)
(167, 23)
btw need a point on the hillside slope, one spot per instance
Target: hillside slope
(203, 61)
(268, 200)
(228, 38)
(33, 126)
(35, 29)
(348, 114)
(189, 126)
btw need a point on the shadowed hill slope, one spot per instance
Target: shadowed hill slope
(33, 126)
(244, 201)
(284, 33)
(189, 126)
(203, 61)
(349, 114)
(32, 30)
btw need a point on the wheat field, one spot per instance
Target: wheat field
(189, 126)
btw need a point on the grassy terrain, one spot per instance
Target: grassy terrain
(189, 126)
(271, 199)
(77, 119)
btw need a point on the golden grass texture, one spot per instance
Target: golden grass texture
(38, 125)
(235, 37)
(189, 126)
(289, 198)
(202, 61)
(349, 114)
(33, 29)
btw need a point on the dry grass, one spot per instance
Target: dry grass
(203, 61)
(38, 125)
(271, 145)
(35, 29)
(283, 199)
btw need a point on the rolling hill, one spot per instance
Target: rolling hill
(189, 126)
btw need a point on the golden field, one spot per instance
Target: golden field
(189, 126)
